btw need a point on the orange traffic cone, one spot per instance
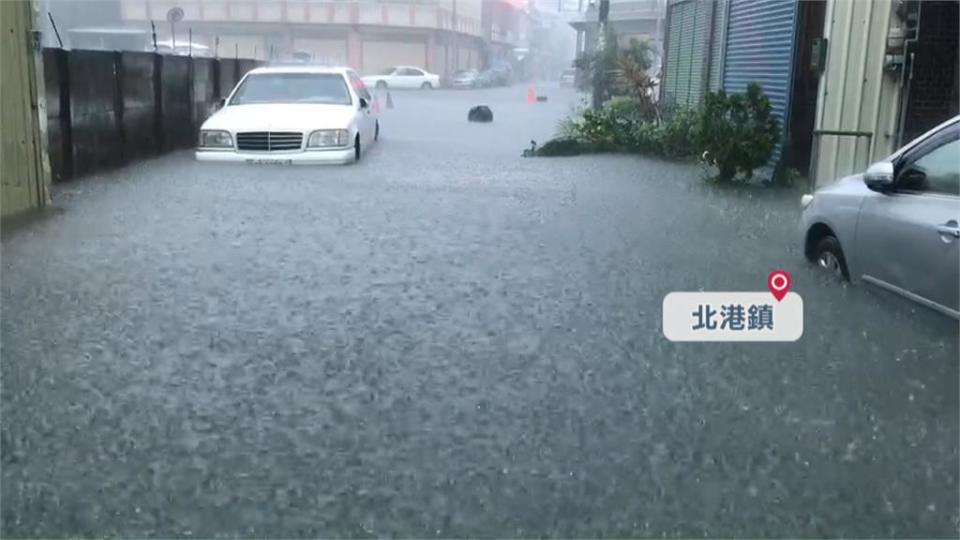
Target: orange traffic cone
(389, 101)
(531, 96)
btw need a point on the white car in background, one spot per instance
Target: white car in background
(292, 115)
(403, 77)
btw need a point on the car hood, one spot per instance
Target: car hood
(281, 117)
(849, 185)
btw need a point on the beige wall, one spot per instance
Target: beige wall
(328, 51)
(465, 8)
(24, 166)
(856, 93)
(366, 12)
(378, 55)
(469, 58)
(244, 46)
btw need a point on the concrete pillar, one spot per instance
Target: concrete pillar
(354, 49)
(431, 53)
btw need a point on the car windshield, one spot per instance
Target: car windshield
(387, 71)
(292, 88)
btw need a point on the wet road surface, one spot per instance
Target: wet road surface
(447, 339)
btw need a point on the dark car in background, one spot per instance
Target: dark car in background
(500, 74)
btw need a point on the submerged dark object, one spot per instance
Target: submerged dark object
(480, 113)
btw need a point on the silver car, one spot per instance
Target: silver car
(895, 225)
(467, 78)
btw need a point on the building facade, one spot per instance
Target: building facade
(367, 35)
(849, 81)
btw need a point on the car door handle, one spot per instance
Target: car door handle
(949, 228)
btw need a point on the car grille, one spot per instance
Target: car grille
(269, 141)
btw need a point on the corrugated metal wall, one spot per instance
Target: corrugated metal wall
(686, 15)
(672, 54)
(702, 17)
(683, 56)
(717, 42)
(856, 94)
(24, 170)
(759, 48)
(113, 108)
(691, 59)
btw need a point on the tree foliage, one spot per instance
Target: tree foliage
(623, 71)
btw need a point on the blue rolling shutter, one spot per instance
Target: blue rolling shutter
(760, 46)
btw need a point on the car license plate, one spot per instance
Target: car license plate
(270, 161)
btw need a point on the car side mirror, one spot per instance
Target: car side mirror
(879, 176)
(363, 103)
(221, 103)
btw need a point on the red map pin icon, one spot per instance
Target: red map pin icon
(779, 284)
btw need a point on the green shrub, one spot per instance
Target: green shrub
(569, 126)
(738, 132)
(631, 108)
(605, 130)
(625, 124)
(678, 137)
(560, 146)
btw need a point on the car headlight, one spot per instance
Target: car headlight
(325, 138)
(806, 200)
(215, 139)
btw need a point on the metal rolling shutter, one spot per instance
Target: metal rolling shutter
(702, 14)
(672, 73)
(717, 39)
(687, 52)
(687, 12)
(759, 48)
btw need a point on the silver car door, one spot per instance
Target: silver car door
(908, 240)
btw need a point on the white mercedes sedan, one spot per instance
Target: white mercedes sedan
(297, 115)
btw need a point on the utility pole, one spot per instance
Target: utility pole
(599, 68)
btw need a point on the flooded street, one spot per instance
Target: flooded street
(447, 339)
